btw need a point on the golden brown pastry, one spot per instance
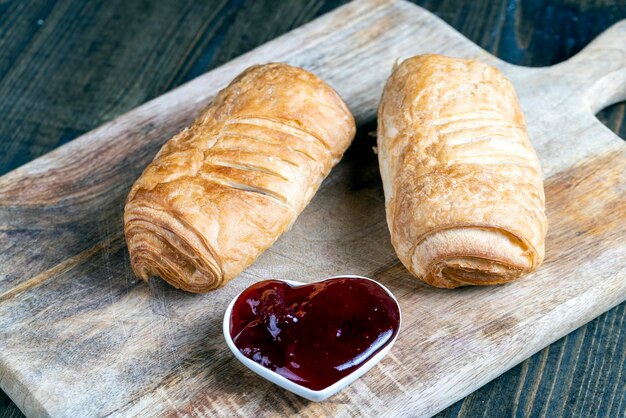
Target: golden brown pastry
(222, 191)
(463, 187)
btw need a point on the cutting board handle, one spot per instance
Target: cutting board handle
(600, 68)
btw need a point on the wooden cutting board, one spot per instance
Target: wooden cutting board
(80, 336)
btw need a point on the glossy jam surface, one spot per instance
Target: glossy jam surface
(314, 334)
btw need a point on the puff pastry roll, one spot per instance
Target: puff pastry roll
(222, 191)
(463, 186)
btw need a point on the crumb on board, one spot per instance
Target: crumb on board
(396, 63)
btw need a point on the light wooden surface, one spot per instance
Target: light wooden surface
(80, 336)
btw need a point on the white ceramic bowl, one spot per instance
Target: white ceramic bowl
(312, 395)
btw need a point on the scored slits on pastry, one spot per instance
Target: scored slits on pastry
(239, 162)
(266, 135)
(490, 139)
(283, 127)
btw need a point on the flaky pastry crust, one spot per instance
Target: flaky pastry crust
(222, 191)
(463, 186)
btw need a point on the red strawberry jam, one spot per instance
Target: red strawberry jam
(314, 334)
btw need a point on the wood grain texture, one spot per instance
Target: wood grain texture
(7, 408)
(582, 394)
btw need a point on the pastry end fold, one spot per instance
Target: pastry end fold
(161, 245)
(472, 256)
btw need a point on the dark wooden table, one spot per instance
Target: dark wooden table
(68, 66)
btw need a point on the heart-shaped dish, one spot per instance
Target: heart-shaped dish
(305, 392)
